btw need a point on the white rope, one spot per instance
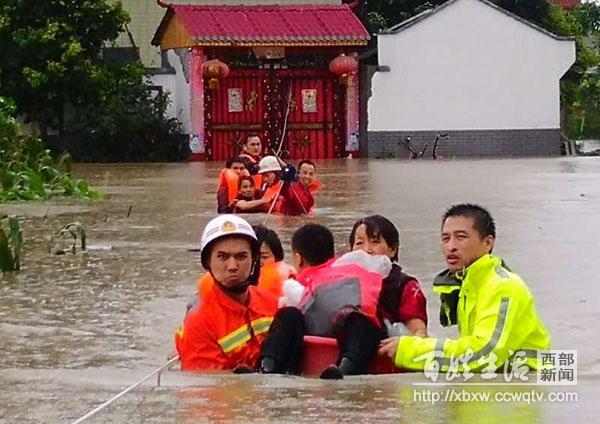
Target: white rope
(299, 200)
(285, 121)
(125, 391)
(273, 202)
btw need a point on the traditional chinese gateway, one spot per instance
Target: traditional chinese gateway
(287, 73)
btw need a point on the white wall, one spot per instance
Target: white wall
(178, 88)
(468, 66)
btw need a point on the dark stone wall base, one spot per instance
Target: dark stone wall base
(467, 143)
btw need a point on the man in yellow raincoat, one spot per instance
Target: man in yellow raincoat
(493, 307)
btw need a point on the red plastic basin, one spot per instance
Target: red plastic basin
(320, 352)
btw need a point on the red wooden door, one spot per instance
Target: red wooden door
(235, 109)
(254, 101)
(316, 117)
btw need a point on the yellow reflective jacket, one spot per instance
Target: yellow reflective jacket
(496, 317)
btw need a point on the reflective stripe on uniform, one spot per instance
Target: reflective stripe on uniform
(241, 336)
(493, 341)
(261, 325)
(501, 272)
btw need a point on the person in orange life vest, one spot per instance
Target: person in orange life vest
(227, 188)
(401, 299)
(237, 326)
(274, 271)
(252, 154)
(248, 199)
(338, 300)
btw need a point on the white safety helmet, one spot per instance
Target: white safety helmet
(269, 164)
(222, 226)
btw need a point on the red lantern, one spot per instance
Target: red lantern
(344, 66)
(214, 70)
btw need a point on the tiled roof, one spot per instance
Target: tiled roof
(567, 4)
(290, 24)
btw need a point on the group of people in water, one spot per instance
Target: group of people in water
(253, 310)
(250, 183)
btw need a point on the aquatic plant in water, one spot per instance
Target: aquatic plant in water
(27, 170)
(73, 230)
(11, 240)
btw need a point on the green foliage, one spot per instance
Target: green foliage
(583, 118)
(533, 10)
(377, 15)
(51, 63)
(127, 122)
(580, 87)
(27, 170)
(50, 53)
(11, 240)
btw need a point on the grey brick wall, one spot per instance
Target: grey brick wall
(467, 143)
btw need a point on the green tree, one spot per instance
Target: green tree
(126, 123)
(50, 54)
(377, 15)
(533, 10)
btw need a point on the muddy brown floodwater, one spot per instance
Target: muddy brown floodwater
(76, 329)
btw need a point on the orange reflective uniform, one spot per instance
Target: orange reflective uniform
(271, 279)
(223, 333)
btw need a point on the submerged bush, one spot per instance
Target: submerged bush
(10, 244)
(27, 170)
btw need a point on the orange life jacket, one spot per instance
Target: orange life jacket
(248, 156)
(273, 275)
(273, 194)
(229, 178)
(314, 186)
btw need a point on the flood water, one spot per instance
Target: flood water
(76, 329)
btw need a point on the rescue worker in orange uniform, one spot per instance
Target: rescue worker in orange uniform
(273, 270)
(237, 326)
(282, 187)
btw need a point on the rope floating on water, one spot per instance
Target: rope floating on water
(126, 390)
